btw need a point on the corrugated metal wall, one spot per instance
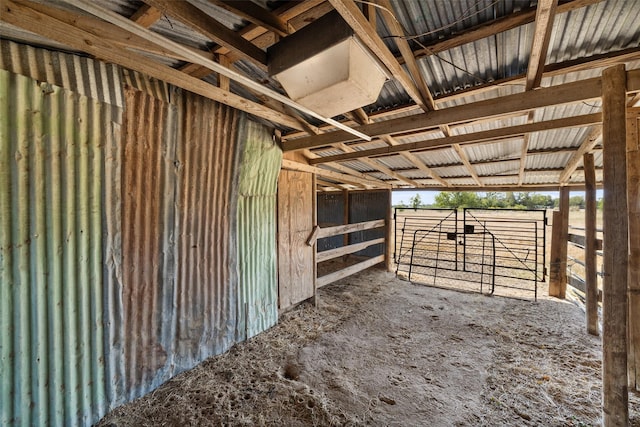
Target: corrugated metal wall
(258, 290)
(368, 206)
(208, 154)
(51, 165)
(119, 259)
(330, 213)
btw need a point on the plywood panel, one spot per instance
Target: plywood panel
(295, 223)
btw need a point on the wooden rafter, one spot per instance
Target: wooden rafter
(489, 135)
(254, 13)
(363, 29)
(520, 102)
(209, 27)
(146, 16)
(465, 160)
(413, 159)
(30, 16)
(545, 14)
(590, 141)
(348, 179)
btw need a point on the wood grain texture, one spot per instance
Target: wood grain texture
(295, 224)
(590, 245)
(616, 246)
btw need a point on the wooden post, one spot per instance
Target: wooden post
(314, 203)
(390, 236)
(616, 249)
(633, 196)
(590, 259)
(345, 217)
(559, 237)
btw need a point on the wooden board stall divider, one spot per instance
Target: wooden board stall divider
(333, 253)
(296, 263)
(633, 195)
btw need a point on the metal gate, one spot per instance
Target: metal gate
(492, 251)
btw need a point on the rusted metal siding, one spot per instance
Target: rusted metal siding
(142, 342)
(51, 293)
(207, 154)
(258, 287)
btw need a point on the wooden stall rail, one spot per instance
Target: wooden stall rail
(576, 264)
(320, 233)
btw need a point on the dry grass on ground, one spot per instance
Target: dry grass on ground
(381, 351)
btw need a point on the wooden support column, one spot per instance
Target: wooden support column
(559, 236)
(390, 236)
(633, 196)
(590, 257)
(345, 217)
(616, 250)
(314, 203)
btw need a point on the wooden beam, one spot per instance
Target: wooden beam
(521, 102)
(339, 177)
(382, 168)
(501, 187)
(350, 228)
(633, 196)
(587, 144)
(389, 245)
(559, 238)
(590, 246)
(494, 134)
(493, 27)
(350, 171)
(26, 15)
(254, 13)
(253, 85)
(347, 249)
(353, 269)
(407, 54)
(209, 27)
(616, 250)
(352, 15)
(545, 14)
(146, 16)
(465, 160)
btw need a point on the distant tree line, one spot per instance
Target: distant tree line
(493, 200)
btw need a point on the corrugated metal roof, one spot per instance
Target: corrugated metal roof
(538, 177)
(439, 157)
(500, 168)
(504, 149)
(557, 138)
(547, 161)
(451, 171)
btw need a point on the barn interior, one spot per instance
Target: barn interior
(170, 170)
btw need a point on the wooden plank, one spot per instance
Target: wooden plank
(591, 245)
(590, 141)
(565, 193)
(616, 249)
(580, 285)
(633, 196)
(314, 261)
(545, 14)
(519, 102)
(465, 161)
(295, 223)
(340, 177)
(345, 215)
(356, 268)
(27, 15)
(209, 27)
(350, 228)
(493, 134)
(146, 16)
(345, 250)
(254, 13)
(350, 12)
(582, 240)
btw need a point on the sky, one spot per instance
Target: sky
(428, 197)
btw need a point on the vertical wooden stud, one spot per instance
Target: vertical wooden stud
(616, 249)
(590, 260)
(314, 208)
(559, 236)
(390, 237)
(633, 200)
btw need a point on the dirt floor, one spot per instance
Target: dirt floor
(382, 351)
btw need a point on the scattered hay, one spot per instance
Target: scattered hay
(382, 351)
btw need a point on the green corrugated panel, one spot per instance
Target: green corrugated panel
(51, 326)
(258, 296)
